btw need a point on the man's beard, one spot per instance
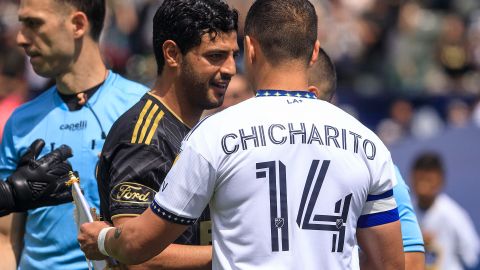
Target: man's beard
(196, 88)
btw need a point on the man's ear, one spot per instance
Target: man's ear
(249, 49)
(171, 54)
(314, 90)
(316, 51)
(80, 24)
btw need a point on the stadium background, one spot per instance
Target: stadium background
(410, 70)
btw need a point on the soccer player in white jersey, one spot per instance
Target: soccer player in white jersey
(322, 78)
(291, 181)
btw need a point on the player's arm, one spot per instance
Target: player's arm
(136, 241)
(8, 261)
(187, 191)
(144, 179)
(381, 247)
(175, 256)
(378, 227)
(414, 260)
(411, 235)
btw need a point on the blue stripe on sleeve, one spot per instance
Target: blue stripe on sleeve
(376, 219)
(380, 196)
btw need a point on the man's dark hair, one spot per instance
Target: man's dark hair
(323, 73)
(285, 29)
(428, 161)
(95, 11)
(186, 21)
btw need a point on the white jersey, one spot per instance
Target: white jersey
(288, 180)
(454, 241)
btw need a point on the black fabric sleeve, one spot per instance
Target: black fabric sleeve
(135, 175)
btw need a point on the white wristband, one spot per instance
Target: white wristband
(101, 240)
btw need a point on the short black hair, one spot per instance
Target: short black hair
(323, 73)
(429, 161)
(95, 11)
(285, 29)
(186, 21)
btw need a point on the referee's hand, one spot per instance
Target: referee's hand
(41, 182)
(88, 239)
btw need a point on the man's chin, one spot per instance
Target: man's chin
(214, 103)
(43, 72)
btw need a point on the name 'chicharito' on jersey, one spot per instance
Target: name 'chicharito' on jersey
(262, 135)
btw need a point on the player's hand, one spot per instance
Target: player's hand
(88, 239)
(41, 182)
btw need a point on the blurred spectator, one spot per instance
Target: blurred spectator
(458, 114)
(451, 241)
(13, 88)
(476, 113)
(426, 123)
(397, 126)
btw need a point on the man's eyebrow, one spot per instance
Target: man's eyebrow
(28, 18)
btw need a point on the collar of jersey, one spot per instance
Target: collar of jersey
(92, 100)
(284, 93)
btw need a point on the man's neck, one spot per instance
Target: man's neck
(165, 89)
(424, 204)
(290, 78)
(87, 71)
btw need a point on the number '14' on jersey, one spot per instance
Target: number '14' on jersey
(279, 211)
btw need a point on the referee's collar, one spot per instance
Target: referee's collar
(284, 93)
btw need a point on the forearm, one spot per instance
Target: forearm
(179, 257)
(8, 261)
(414, 261)
(141, 238)
(382, 247)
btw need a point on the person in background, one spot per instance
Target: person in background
(451, 241)
(13, 87)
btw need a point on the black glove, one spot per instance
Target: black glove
(37, 183)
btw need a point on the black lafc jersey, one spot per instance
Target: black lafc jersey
(138, 153)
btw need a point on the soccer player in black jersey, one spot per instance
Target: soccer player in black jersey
(195, 42)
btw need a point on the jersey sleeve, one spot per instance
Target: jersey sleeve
(411, 234)
(134, 176)
(380, 207)
(187, 188)
(8, 153)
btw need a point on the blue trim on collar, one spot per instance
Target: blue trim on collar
(284, 93)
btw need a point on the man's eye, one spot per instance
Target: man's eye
(216, 56)
(32, 23)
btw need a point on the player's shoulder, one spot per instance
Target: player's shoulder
(125, 89)
(447, 203)
(121, 82)
(148, 121)
(123, 127)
